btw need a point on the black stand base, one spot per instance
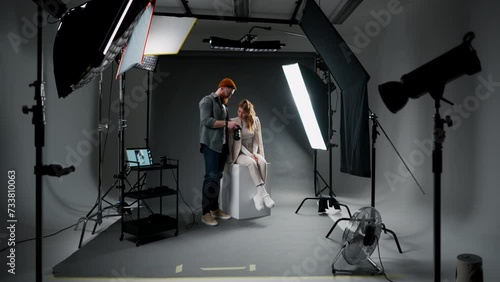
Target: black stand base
(393, 235)
(97, 217)
(322, 203)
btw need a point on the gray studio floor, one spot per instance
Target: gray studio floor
(282, 247)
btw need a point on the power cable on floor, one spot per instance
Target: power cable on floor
(31, 239)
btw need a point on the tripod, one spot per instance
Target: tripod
(375, 126)
(98, 216)
(330, 200)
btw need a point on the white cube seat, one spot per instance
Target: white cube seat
(237, 191)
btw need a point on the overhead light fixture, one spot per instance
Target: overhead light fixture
(344, 10)
(310, 96)
(247, 43)
(88, 39)
(432, 76)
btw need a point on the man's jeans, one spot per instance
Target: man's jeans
(214, 165)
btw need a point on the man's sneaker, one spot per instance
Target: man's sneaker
(218, 213)
(209, 220)
(268, 201)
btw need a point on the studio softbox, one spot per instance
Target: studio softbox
(88, 39)
(352, 80)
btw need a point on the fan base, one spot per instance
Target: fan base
(358, 271)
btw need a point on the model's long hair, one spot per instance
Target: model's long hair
(247, 107)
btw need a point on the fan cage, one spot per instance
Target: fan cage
(361, 235)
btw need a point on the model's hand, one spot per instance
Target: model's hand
(254, 156)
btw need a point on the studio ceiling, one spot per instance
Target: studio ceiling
(264, 9)
(234, 18)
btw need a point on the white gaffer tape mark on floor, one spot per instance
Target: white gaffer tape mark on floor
(178, 269)
(251, 267)
(223, 268)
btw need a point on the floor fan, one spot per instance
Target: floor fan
(360, 239)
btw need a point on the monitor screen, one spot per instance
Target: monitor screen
(139, 156)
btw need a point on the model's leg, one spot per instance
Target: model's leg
(261, 189)
(256, 178)
(262, 165)
(252, 167)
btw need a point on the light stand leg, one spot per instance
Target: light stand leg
(393, 235)
(335, 224)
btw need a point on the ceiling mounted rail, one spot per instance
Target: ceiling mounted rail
(231, 18)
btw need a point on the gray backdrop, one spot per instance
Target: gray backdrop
(259, 78)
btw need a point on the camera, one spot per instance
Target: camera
(237, 133)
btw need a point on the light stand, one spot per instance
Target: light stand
(148, 91)
(432, 77)
(38, 121)
(98, 215)
(149, 64)
(375, 125)
(437, 169)
(122, 125)
(330, 199)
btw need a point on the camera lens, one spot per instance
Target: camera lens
(237, 134)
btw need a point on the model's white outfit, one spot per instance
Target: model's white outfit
(241, 151)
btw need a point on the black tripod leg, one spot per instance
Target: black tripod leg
(348, 210)
(395, 237)
(86, 217)
(83, 231)
(95, 226)
(303, 203)
(335, 224)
